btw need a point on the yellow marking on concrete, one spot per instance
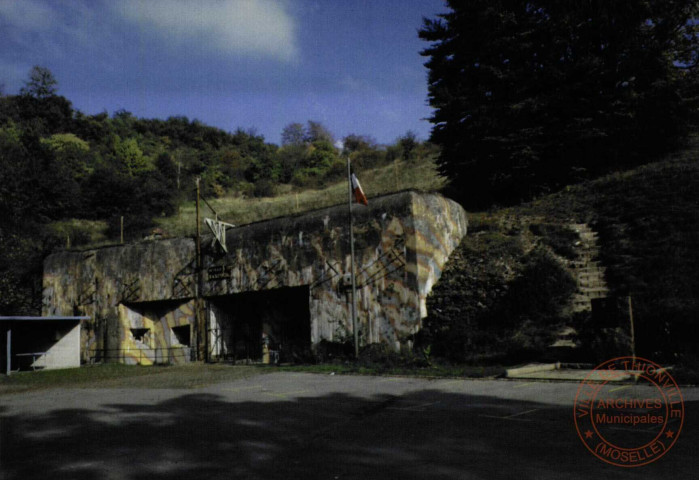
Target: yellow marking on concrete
(284, 394)
(521, 385)
(522, 413)
(276, 395)
(451, 382)
(415, 408)
(507, 418)
(242, 388)
(620, 388)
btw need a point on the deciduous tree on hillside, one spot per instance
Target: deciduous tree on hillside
(293, 134)
(41, 83)
(317, 132)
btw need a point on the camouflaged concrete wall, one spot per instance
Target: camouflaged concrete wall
(160, 344)
(95, 282)
(440, 224)
(401, 243)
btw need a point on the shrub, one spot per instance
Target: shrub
(264, 188)
(496, 302)
(329, 351)
(560, 238)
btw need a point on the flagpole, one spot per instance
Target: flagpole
(354, 284)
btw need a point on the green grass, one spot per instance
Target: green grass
(197, 375)
(419, 175)
(437, 371)
(126, 376)
(79, 231)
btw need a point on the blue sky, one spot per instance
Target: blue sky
(353, 65)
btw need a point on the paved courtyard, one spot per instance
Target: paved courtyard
(298, 425)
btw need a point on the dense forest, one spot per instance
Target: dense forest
(531, 96)
(58, 163)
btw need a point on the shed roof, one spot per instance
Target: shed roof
(29, 318)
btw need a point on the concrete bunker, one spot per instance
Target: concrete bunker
(266, 325)
(282, 281)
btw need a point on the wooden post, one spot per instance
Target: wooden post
(633, 333)
(179, 167)
(198, 228)
(121, 228)
(395, 171)
(9, 351)
(200, 323)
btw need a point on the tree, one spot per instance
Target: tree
(317, 132)
(41, 83)
(320, 155)
(532, 95)
(72, 152)
(363, 151)
(66, 142)
(168, 169)
(356, 143)
(290, 158)
(52, 114)
(408, 144)
(293, 134)
(130, 155)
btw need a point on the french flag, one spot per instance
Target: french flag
(357, 191)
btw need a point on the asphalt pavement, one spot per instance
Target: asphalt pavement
(299, 425)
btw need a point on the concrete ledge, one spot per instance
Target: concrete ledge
(529, 369)
(563, 372)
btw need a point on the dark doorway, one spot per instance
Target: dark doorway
(183, 335)
(240, 324)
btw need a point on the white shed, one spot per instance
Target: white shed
(32, 343)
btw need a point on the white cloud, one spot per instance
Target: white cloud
(355, 84)
(252, 27)
(42, 29)
(31, 14)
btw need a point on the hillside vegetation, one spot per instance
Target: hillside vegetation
(68, 179)
(648, 225)
(418, 174)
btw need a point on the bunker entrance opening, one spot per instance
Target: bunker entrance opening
(268, 326)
